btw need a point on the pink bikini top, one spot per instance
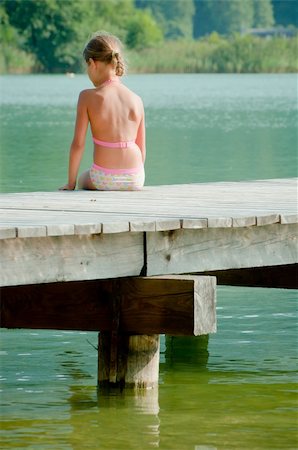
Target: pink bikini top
(123, 144)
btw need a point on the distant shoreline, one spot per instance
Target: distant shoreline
(213, 54)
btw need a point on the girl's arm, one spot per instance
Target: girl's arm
(78, 142)
(141, 137)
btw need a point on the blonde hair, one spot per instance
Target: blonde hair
(107, 48)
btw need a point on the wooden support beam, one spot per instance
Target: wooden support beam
(284, 277)
(172, 305)
(129, 312)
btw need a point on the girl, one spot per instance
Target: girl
(116, 117)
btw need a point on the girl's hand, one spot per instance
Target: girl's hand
(67, 187)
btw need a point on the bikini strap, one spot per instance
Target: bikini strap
(123, 144)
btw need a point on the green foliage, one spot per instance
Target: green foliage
(12, 59)
(48, 28)
(216, 54)
(231, 16)
(49, 35)
(142, 31)
(263, 14)
(237, 55)
(112, 15)
(55, 30)
(174, 16)
(224, 17)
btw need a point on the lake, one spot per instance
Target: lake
(236, 391)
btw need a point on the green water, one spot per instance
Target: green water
(199, 128)
(237, 393)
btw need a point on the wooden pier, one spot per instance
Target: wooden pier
(105, 260)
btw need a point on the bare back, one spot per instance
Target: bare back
(116, 114)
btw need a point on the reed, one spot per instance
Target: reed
(215, 54)
(212, 54)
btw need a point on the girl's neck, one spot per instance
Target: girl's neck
(109, 81)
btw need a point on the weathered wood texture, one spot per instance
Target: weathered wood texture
(87, 257)
(128, 361)
(181, 251)
(70, 258)
(172, 305)
(48, 237)
(156, 208)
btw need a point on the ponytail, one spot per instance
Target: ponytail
(107, 48)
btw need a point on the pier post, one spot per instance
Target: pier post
(128, 361)
(130, 313)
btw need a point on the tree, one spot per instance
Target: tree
(11, 57)
(56, 30)
(263, 14)
(222, 16)
(51, 30)
(174, 16)
(142, 31)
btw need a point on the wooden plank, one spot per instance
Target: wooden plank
(166, 225)
(142, 226)
(172, 305)
(85, 221)
(70, 258)
(289, 218)
(220, 222)
(60, 229)
(221, 206)
(194, 223)
(115, 227)
(268, 220)
(8, 232)
(244, 221)
(186, 251)
(31, 231)
(220, 199)
(220, 203)
(209, 250)
(88, 228)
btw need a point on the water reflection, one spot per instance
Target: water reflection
(226, 391)
(113, 419)
(131, 419)
(182, 351)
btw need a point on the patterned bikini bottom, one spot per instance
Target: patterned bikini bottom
(117, 179)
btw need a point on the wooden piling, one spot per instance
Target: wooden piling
(128, 361)
(130, 314)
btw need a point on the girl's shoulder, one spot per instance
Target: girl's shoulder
(87, 95)
(133, 95)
